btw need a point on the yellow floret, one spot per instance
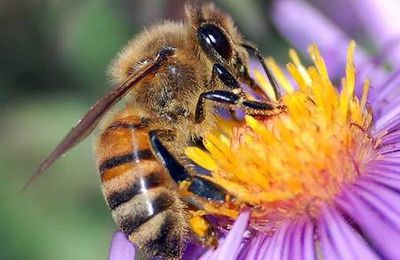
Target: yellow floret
(285, 166)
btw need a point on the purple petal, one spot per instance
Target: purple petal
(256, 245)
(300, 240)
(390, 104)
(387, 125)
(121, 248)
(389, 120)
(230, 247)
(193, 251)
(384, 97)
(244, 251)
(382, 194)
(302, 25)
(308, 241)
(382, 165)
(372, 223)
(386, 161)
(391, 158)
(391, 138)
(267, 250)
(287, 242)
(381, 197)
(339, 12)
(297, 251)
(390, 180)
(207, 255)
(390, 150)
(266, 246)
(327, 244)
(277, 249)
(381, 20)
(295, 240)
(298, 237)
(384, 172)
(339, 240)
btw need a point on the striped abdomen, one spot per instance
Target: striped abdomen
(138, 190)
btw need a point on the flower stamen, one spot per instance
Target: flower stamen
(289, 165)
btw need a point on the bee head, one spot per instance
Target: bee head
(217, 35)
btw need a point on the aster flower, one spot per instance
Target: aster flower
(121, 248)
(332, 24)
(320, 180)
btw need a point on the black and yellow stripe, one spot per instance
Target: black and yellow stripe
(136, 156)
(141, 195)
(150, 181)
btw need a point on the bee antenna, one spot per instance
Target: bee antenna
(271, 78)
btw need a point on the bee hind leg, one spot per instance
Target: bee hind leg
(202, 229)
(197, 191)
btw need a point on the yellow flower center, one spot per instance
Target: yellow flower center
(287, 166)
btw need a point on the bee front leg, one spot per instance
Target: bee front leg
(249, 46)
(218, 96)
(257, 108)
(234, 100)
(234, 97)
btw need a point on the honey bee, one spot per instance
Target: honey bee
(174, 75)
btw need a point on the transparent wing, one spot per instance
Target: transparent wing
(89, 121)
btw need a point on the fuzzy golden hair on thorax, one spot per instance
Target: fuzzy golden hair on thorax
(209, 13)
(144, 45)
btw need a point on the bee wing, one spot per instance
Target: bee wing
(89, 121)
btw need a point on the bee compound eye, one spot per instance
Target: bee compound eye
(211, 37)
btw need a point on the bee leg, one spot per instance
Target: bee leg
(256, 108)
(205, 189)
(267, 71)
(199, 186)
(226, 77)
(249, 81)
(235, 100)
(202, 229)
(219, 96)
(201, 193)
(175, 169)
(230, 81)
(199, 190)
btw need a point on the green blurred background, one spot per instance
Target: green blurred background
(54, 56)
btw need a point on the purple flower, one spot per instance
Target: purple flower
(121, 248)
(354, 215)
(325, 176)
(331, 25)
